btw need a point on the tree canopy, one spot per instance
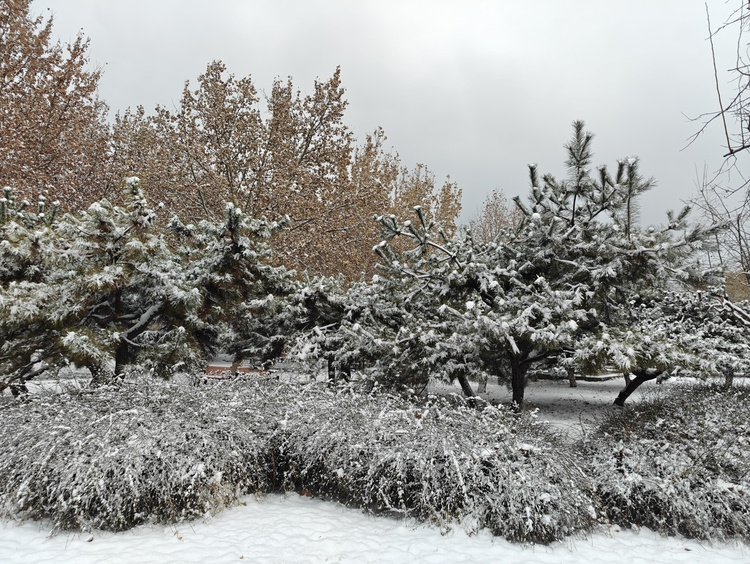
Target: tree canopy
(54, 133)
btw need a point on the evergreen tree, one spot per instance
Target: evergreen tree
(565, 276)
(106, 290)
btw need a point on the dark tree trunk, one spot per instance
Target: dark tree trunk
(518, 381)
(122, 357)
(640, 377)
(626, 375)
(728, 378)
(100, 375)
(465, 385)
(466, 388)
(572, 377)
(19, 389)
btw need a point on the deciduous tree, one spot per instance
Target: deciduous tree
(54, 134)
(289, 154)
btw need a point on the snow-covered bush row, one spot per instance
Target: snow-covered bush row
(161, 452)
(679, 464)
(439, 461)
(113, 458)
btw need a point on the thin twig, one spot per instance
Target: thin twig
(716, 80)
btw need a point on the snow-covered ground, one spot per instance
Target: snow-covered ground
(570, 411)
(295, 529)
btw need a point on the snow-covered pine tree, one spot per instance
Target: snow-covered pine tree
(566, 273)
(486, 310)
(594, 236)
(698, 333)
(253, 304)
(106, 290)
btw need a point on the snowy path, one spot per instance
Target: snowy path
(294, 529)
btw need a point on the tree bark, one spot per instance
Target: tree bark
(640, 377)
(728, 378)
(465, 385)
(572, 377)
(471, 397)
(518, 381)
(123, 357)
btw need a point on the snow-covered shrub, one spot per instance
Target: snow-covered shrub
(435, 460)
(155, 451)
(679, 464)
(113, 458)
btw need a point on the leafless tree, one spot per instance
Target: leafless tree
(724, 195)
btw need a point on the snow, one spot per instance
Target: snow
(293, 528)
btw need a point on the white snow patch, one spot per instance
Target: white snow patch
(292, 528)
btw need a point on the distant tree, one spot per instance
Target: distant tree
(54, 133)
(730, 208)
(295, 157)
(723, 196)
(494, 217)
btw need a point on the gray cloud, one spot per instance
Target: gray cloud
(475, 89)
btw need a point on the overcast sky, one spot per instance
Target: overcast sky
(473, 89)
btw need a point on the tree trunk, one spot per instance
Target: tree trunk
(572, 377)
(640, 377)
(626, 375)
(331, 371)
(518, 381)
(466, 388)
(100, 375)
(122, 357)
(482, 387)
(19, 389)
(728, 378)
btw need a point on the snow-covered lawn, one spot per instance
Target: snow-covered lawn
(296, 529)
(570, 411)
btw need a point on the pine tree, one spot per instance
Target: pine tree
(564, 277)
(106, 290)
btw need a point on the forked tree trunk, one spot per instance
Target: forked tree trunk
(640, 377)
